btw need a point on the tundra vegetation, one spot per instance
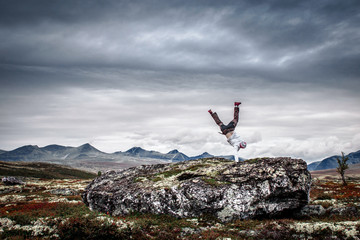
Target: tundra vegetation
(38, 210)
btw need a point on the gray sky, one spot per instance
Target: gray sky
(119, 74)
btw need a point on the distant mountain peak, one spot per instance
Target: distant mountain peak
(27, 148)
(53, 147)
(30, 146)
(86, 145)
(203, 155)
(135, 150)
(87, 148)
(175, 151)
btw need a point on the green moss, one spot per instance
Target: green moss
(245, 224)
(171, 172)
(214, 182)
(156, 179)
(138, 179)
(196, 167)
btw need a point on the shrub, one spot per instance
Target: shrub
(86, 228)
(25, 213)
(15, 234)
(324, 196)
(150, 226)
(276, 231)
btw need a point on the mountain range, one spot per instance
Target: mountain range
(331, 162)
(86, 151)
(88, 157)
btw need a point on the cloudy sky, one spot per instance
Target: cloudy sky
(119, 74)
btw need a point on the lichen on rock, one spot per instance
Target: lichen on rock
(255, 188)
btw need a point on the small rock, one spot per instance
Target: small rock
(64, 192)
(248, 233)
(189, 231)
(311, 211)
(8, 190)
(11, 181)
(344, 211)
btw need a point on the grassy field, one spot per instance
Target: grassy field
(42, 170)
(36, 211)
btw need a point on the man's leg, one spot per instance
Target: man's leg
(216, 118)
(235, 121)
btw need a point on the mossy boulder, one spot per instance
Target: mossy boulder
(263, 187)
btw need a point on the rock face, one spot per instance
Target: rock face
(255, 188)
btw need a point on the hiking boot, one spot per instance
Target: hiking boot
(237, 104)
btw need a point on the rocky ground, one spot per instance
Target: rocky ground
(53, 209)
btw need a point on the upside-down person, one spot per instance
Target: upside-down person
(229, 130)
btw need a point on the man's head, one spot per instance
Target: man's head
(242, 144)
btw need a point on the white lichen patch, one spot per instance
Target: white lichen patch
(5, 187)
(141, 179)
(5, 223)
(347, 227)
(62, 200)
(329, 202)
(194, 221)
(167, 182)
(121, 224)
(57, 183)
(12, 198)
(46, 226)
(37, 228)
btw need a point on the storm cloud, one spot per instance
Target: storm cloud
(120, 74)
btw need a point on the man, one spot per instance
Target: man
(229, 130)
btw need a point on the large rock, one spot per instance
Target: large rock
(255, 188)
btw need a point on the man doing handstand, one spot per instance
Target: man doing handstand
(229, 130)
